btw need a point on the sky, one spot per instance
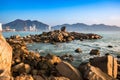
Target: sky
(56, 12)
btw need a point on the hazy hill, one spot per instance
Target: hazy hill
(20, 24)
(85, 27)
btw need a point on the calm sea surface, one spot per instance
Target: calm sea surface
(109, 38)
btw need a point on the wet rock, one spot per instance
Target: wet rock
(107, 64)
(118, 56)
(93, 73)
(5, 59)
(94, 52)
(78, 50)
(67, 70)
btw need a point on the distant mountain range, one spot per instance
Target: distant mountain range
(20, 24)
(85, 27)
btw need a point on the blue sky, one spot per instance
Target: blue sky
(55, 12)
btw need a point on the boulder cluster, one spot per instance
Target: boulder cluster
(18, 63)
(57, 36)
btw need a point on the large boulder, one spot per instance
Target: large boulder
(107, 64)
(67, 70)
(93, 73)
(5, 59)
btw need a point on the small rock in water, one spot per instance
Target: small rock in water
(78, 50)
(118, 56)
(110, 46)
(94, 52)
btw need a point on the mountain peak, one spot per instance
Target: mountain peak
(85, 27)
(19, 24)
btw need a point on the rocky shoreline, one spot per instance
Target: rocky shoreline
(25, 65)
(56, 36)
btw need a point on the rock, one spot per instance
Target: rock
(118, 56)
(18, 67)
(34, 72)
(52, 59)
(63, 29)
(58, 37)
(27, 68)
(5, 59)
(58, 78)
(17, 37)
(66, 57)
(24, 50)
(24, 77)
(94, 52)
(67, 70)
(38, 77)
(118, 67)
(78, 50)
(107, 64)
(110, 46)
(17, 60)
(93, 73)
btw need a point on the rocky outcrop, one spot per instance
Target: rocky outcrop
(56, 36)
(5, 59)
(67, 70)
(107, 64)
(93, 73)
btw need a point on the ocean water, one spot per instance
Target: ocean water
(109, 38)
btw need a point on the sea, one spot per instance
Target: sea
(111, 38)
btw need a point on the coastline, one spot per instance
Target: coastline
(33, 66)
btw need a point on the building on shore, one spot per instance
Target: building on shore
(33, 28)
(49, 28)
(0, 27)
(9, 29)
